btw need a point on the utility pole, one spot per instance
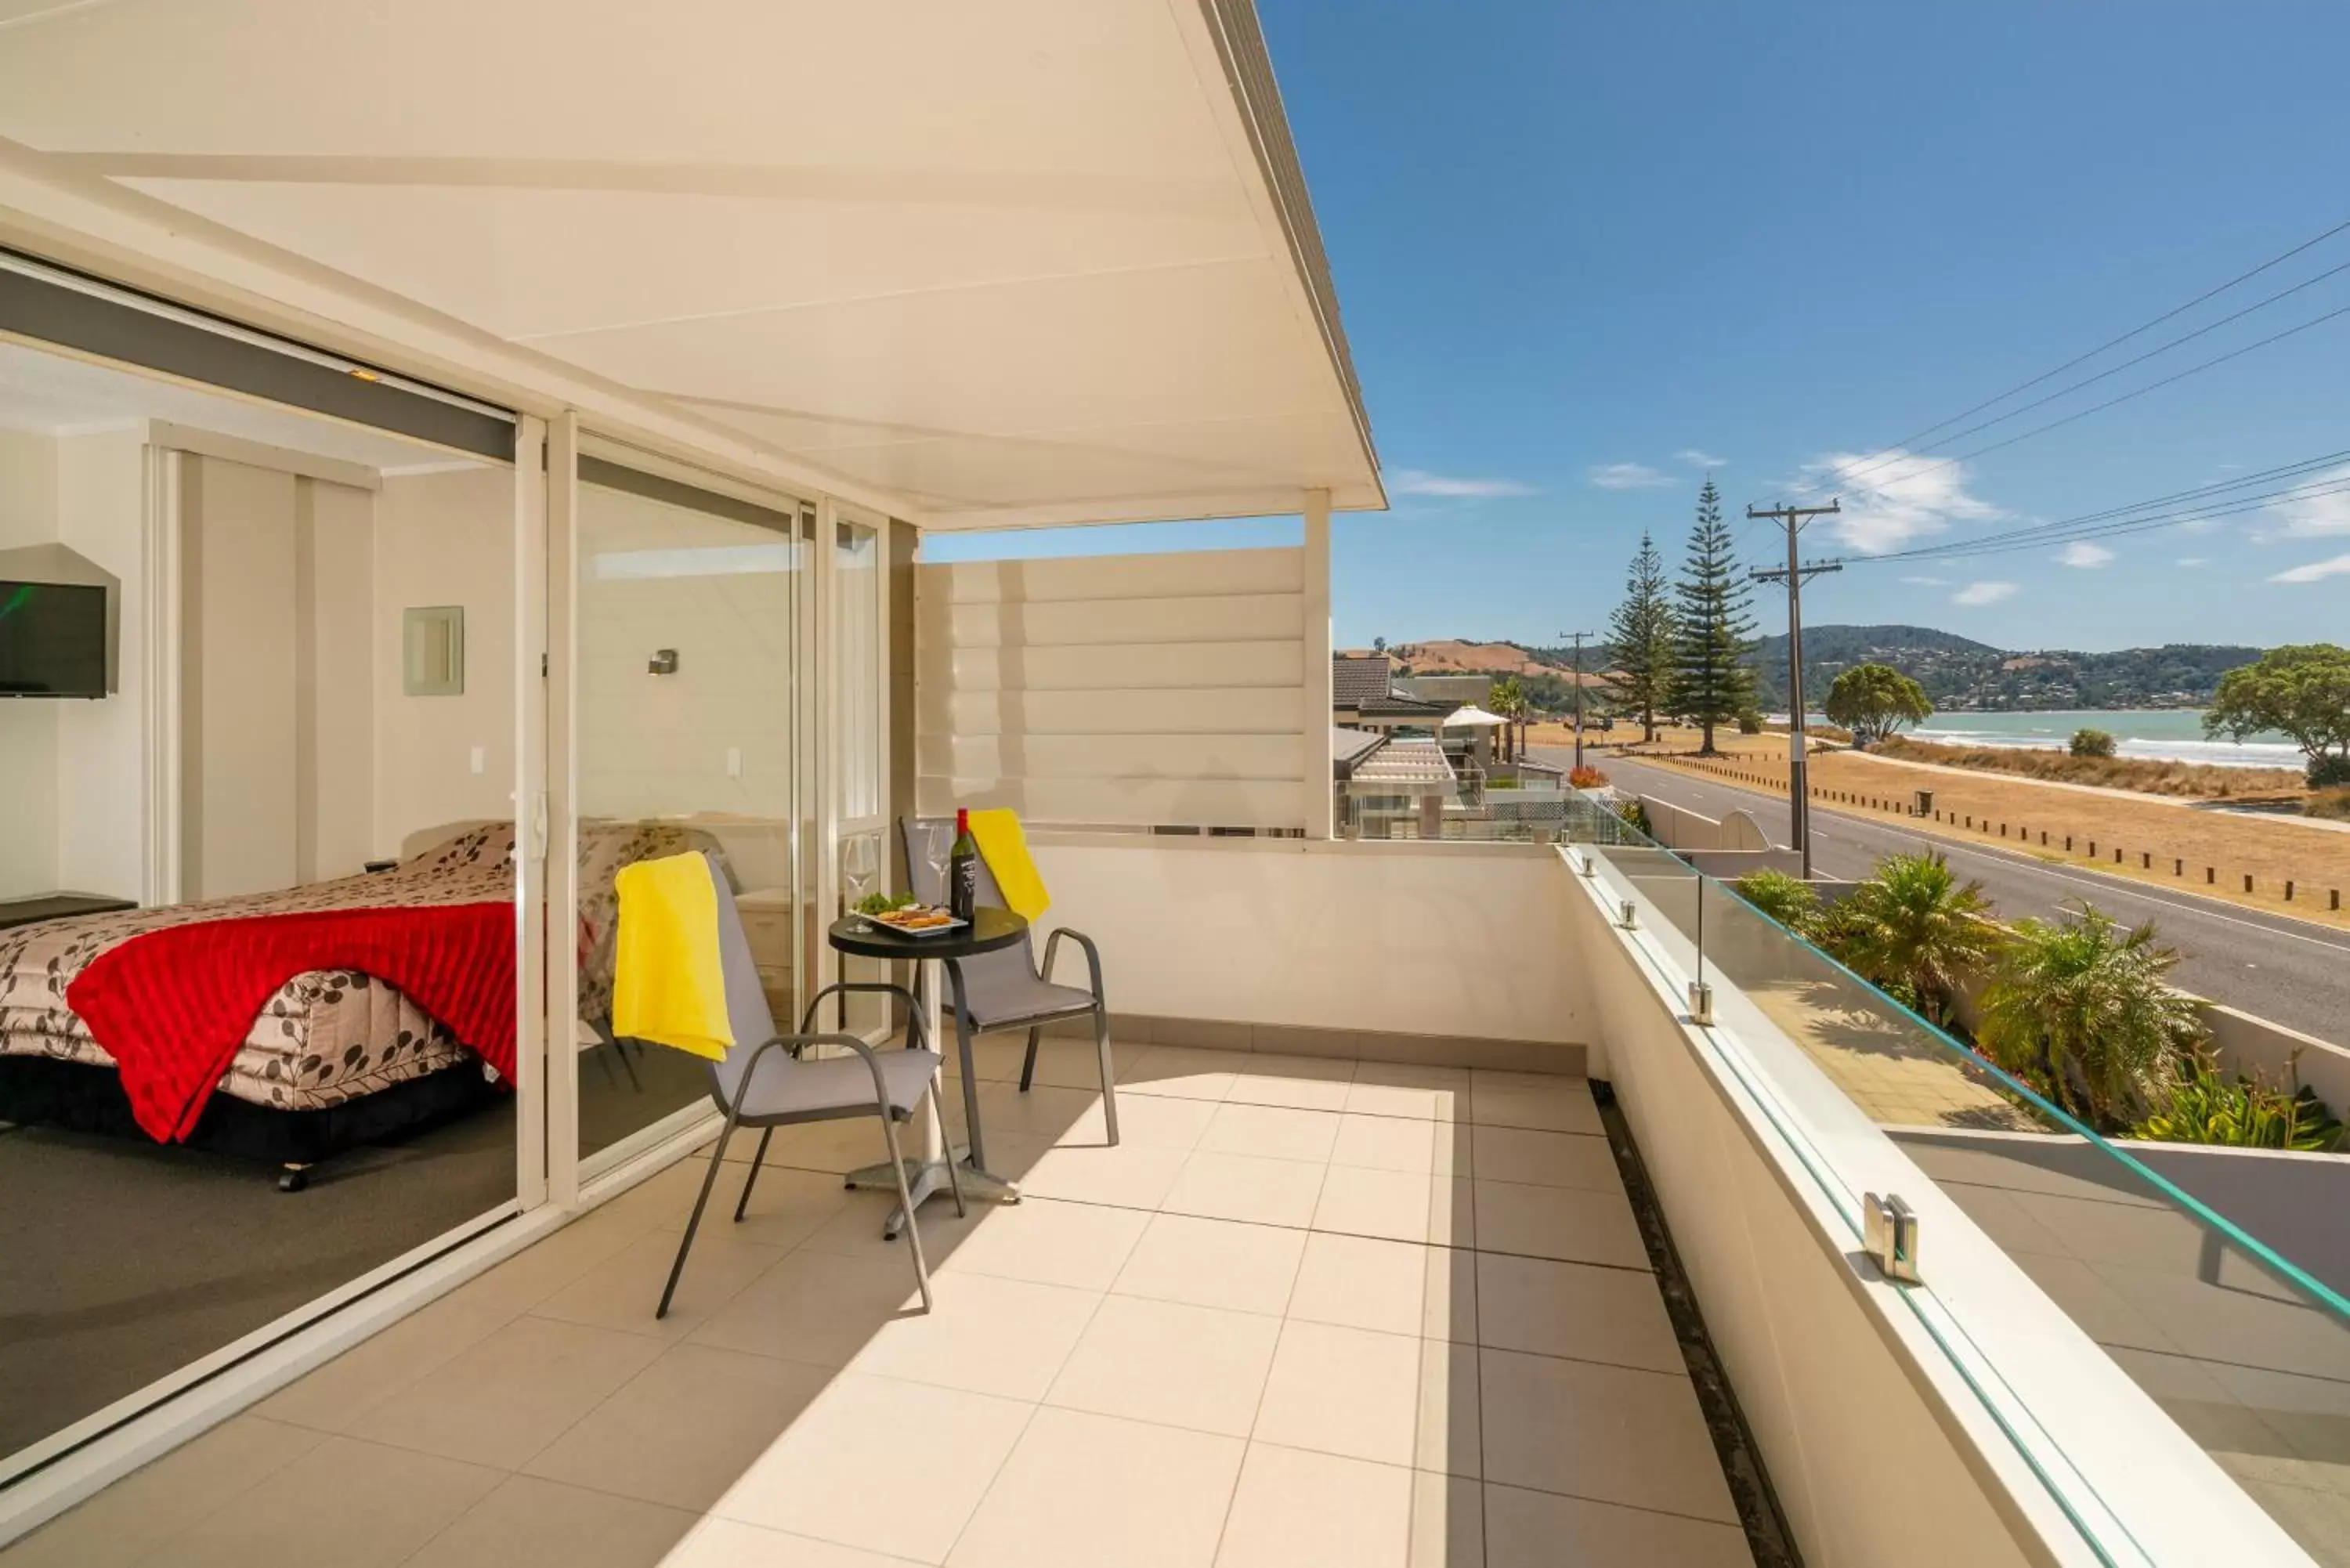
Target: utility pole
(1578, 637)
(1799, 796)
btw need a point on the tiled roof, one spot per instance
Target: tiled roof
(1355, 679)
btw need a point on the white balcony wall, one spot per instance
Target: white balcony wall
(1455, 941)
(1117, 691)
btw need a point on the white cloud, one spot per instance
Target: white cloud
(1420, 482)
(1984, 594)
(2194, 560)
(1929, 582)
(1892, 498)
(2308, 516)
(2088, 557)
(2315, 572)
(1628, 476)
(1696, 457)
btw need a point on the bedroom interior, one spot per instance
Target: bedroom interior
(251, 750)
(306, 708)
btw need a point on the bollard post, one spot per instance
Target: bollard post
(2211, 875)
(2248, 881)
(2288, 890)
(2178, 868)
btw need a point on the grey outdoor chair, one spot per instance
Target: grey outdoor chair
(1009, 989)
(764, 1083)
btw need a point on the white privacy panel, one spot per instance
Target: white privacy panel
(1117, 690)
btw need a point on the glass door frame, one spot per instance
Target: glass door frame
(567, 1170)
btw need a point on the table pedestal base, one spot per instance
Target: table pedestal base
(926, 1180)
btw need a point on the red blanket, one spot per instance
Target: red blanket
(172, 1006)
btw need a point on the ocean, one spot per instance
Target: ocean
(2173, 734)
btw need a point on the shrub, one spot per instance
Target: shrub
(2081, 1007)
(1635, 813)
(2329, 803)
(1586, 778)
(1915, 930)
(2331, 771)
(2093, 743)
(1789, 900)
(1749, 723)
(2203, 1107)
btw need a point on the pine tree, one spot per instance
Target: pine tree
(1712, 682)
(1643, 633)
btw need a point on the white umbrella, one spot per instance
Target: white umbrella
(1472, 716)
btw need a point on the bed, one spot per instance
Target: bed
(335, 1057)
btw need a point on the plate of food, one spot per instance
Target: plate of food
(908, 918)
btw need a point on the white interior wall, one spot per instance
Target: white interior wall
(444, 538)
(28, 730)
(102, 746)
(712, 740)
(1118, 690)
(238, 779)
(1457, 940)
(335, 680)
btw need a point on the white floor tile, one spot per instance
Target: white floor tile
(1298, 1510)
(1214, 1262)
(814, 1307)
(1200, 1368)
(528, 1520)
(1550, 1308)
(1085, 1492)
(730, 1543)
(511, 1395)
(891, 1466)
(1343, 1391)
(1546, 1158)
(1245, 1187)
(1271, 1132)
(1609, 1433)
(1535, 1530)
(982, 1335)
(1558, 1222)
(1048, 1242)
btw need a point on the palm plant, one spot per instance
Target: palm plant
(2080, 1006)
(1789, 900)
(1916, 929)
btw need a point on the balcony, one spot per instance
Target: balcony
(1313, 1309)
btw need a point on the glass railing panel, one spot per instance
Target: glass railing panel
(2213, 1277)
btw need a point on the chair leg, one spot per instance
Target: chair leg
(758, 1160)
(1108, 1074)
(1028, 1063)
(905, 1201)
(709, 1179)
(954, 1166)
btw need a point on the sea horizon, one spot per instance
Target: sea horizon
(2160, 734)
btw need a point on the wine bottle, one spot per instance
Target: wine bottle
(963, 869)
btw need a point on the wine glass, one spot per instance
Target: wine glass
(860, 866)
(937, 845)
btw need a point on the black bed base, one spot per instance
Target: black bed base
(42, 1091)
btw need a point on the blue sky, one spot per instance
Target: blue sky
(1584, 251)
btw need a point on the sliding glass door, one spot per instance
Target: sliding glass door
(685, 667)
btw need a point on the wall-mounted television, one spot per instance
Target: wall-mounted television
(52, 639)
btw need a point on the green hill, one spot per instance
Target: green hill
(1959, 673)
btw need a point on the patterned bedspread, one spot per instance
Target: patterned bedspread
(327, 1036)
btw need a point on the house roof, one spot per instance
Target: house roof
(1036, 263)
(1348, 747)
(1356, 678)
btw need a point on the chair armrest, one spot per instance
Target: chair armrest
(914, 1009)
(1093, 956)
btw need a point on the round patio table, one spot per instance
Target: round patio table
(990, 930)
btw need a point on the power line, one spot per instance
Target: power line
(2110, 343)
(2116, 371)
(2205, 501)
(2125, 397)
(2192, 494)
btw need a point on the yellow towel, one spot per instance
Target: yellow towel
(668, 985)
(1005, 850)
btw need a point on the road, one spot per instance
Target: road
(2289, 970)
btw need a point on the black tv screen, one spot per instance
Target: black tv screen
(52, 639)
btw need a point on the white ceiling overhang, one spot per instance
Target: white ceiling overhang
(1015, 264)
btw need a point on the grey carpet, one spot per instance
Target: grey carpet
(121, 1261)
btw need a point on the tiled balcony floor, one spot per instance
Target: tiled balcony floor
(1308, 1312)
